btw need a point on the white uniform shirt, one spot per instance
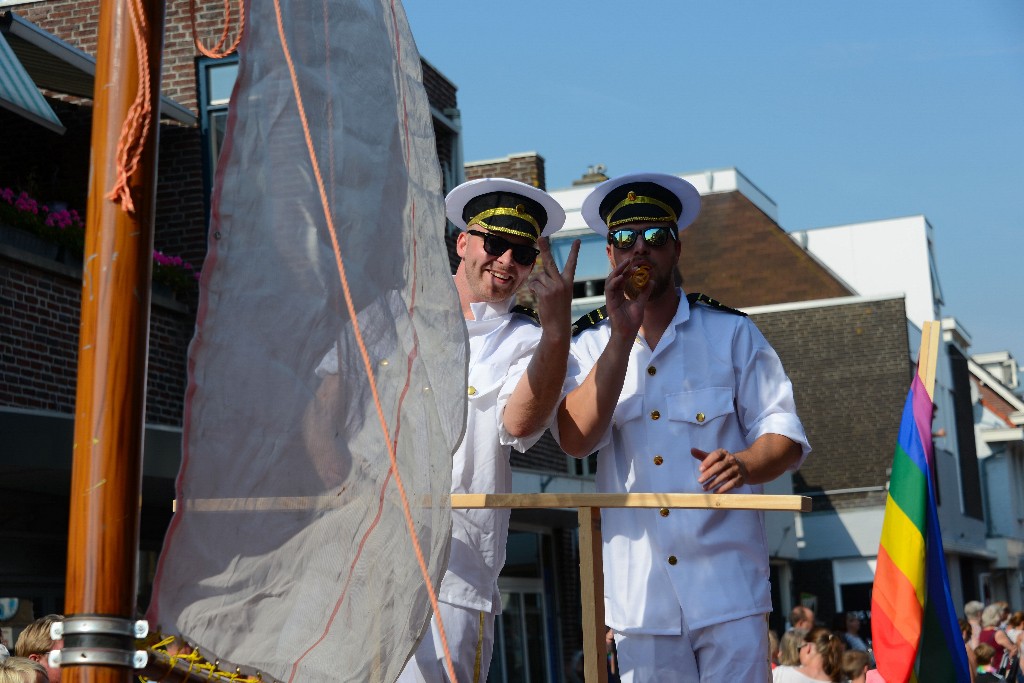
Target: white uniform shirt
(712, 382)
(501, 345)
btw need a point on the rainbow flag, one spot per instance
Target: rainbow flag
(913, 624)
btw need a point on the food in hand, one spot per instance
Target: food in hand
(641, 276)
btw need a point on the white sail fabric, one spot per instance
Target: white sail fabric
(289, 552)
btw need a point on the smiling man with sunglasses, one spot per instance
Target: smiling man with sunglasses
(679, 394)
(516, 372)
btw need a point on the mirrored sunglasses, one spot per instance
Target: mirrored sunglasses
(625, 238)
(523, 254)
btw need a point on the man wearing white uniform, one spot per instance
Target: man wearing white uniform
(516, 373)
(680, 395)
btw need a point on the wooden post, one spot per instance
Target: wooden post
(592, 595)
(928, 355)
(113, 343)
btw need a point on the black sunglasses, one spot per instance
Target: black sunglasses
(625, 238)
(523, 254)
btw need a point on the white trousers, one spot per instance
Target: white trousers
(732, 652)
(470, 635)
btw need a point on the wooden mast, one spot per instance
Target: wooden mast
(113, 344)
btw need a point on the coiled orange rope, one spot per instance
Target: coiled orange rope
(217, 51)
(137, 122)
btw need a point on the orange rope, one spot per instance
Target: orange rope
(217, 51)
(364, 354)
(139, 118)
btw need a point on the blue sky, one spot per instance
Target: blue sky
(840, 112)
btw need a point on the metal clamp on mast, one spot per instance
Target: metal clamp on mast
(99, 640)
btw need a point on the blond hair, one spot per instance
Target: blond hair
(21, 670)
(35, 639)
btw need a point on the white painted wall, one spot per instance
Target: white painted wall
(842, 533)
(882, 257)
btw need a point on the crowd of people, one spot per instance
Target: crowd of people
(993, 637)
(808, 651)
(993, 634)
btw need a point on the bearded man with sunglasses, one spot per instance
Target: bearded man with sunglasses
(679, 394)
(516, 375)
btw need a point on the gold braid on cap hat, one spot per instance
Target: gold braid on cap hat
(633, 198)
(517, 212)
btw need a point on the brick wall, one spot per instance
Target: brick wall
(39, 321)
(180, 205)
(440, 91)
(77, 22)
(851, 368)
(735, 253)
(39, 316)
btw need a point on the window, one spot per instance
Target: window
(525, 634)
(216, 80)
(520, 636)
(592, 263)
(583, 467)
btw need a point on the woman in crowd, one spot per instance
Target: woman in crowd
(789, 646)
(992, 634)
(820, 660)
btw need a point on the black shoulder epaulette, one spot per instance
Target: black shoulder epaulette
(697, 297)
(589, 320)
(527, 311)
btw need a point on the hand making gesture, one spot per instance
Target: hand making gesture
(553, 289)
(627, 314)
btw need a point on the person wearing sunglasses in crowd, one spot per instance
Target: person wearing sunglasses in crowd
(516, 371)
(679, 394)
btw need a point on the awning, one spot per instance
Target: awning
(18, 92)
(52, 64)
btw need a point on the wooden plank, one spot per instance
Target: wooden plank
(724, 501)
(592, 595)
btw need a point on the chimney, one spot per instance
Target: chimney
(595, 174)
(526, 167)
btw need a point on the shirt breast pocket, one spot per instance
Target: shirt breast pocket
(701, 407)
